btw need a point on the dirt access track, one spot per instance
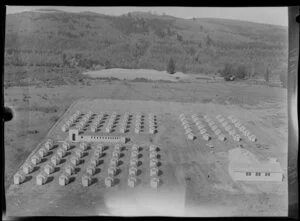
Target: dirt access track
(195, 177)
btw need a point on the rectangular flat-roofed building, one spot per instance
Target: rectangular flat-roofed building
(256, 171)
(74, 136)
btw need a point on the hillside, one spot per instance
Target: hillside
(88, 40)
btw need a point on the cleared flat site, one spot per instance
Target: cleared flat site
(195, 177)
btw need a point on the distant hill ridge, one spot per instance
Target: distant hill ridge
(142, 40)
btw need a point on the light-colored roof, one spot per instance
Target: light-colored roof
(256, 167)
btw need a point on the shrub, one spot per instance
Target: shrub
(227, 71)
(171, 66)
(107, 64)
(241, 72)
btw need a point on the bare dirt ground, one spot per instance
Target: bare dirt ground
(208, 189)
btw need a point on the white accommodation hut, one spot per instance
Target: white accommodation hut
(48, 169)
(90, 170)
(200, 127)
(79, 153)
(64, 128)
(153, 155)
(114, 161)
(211, 123)
(93, 129)
(253, 138)
(131, 181)
(41, 179)
(152, 130)
(63, 179)
(221, 120)
(49, 144)
(186, 126)
(133, 161)
(99, 147)
(221, 137)
(66, 146)
(61, 152)
(154, 182)
(35, 159)
(181, 115)
(152, 147)
(214, 127)
(247, 133)
(206, 136)
(237, 124)
(55, 160)
(27, 168)
(69, 169)
(83, 146)
(86, 180)
(224, 124)
(232, 132)
(108, 129)
(234, 120)
(218, 116)
(154, 171)
(19, 178)
(109, 181)
(122, 129)
(133, 171)
(230, 117)
(188, 130)
(134, 147)
(217, 132)
(43, 152)
(134, 153)
(242, 128)
(153, 162)
(112, 170)
(97, 153)
(74, 160)
(116, 154)
(228, 128)
(94, 161)
(237, 137)
(203, 131)
(198, 123)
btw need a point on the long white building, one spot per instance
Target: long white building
(74, 136)
(256, 171)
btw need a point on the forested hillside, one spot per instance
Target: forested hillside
(60, 40)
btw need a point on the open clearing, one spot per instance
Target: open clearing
(199, 172)
(131, 74)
